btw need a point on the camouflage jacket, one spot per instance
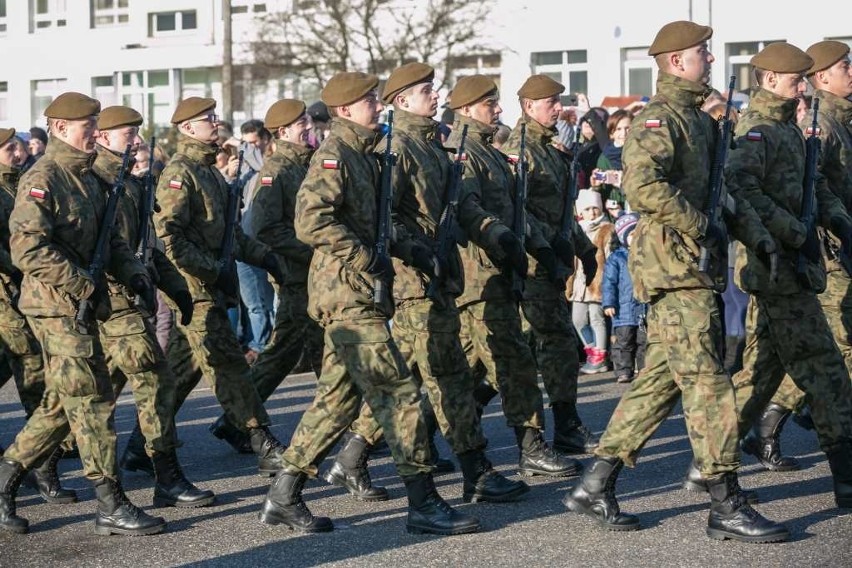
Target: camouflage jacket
(420, 182)
(8, 187)
(667, 160)
(337, 215)
(55, 224)
(128, 218)
(193, 197)
(835, 133)
(274, 209)
(547, 185)
(767, 166)
(486, 210)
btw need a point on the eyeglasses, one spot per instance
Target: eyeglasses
(212, 118)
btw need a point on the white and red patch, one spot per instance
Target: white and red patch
(514, 158)
(810, 130)
(38, 192)
(175, 184)
(331, 164)
(653, 123)
(266, 180)
(754, 136)
(463, 157)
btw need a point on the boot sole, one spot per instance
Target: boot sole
(575, 507)
(275, 521)
(236, 448)
(106, 531)
(332, 480)
(574, 450)
(58, 500)
(718, 534)
(162, 503)
(780, 469)
(533, 472)
(694, 487)
(15, 529)
(505, 498)
(845, 503)
(413, 529)
(267, 472)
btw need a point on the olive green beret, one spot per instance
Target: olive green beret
(404, 77)
(192, 107)
(680, 35)
(825, 54)
(118, 116)
(282, 113)
(538, 87)
(472, 89)
(347, 87)
(782, 57)
(6, 135)
(72, 106)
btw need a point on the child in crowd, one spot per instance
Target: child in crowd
(628, 315)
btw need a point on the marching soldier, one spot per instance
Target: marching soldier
(58, 212)
(193, 198)
(337, 214)
(786, 329)
(130, 345)
(667, 182)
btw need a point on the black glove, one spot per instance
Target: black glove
(146, 294)
(516, 256)
(842, 229)
(810, 248)
(381, 267)
(590, 265)
(17, 277)
(183, 299)
(564, 249)
(226, 280)
(764, 251)
(423, 260)
(99, 301)
(547, 258)
(270, 264)
(713, 236)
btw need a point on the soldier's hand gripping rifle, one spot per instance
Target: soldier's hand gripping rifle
(447, 226)
(143, 237)
(808, 210)
(232, 220)
(519, 219)
(383, 282)
(98, 264)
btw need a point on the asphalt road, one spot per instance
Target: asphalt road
(535, 532)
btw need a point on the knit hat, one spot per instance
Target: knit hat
(589, 198)
(624, 225)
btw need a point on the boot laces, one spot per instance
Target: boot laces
(122, 500)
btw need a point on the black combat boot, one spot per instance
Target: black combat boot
(46, 480)
(227, 432)
(134, 457)
(11, 475)
(538, 459)
(804, 418)
(483, 394)
(428, 513)
(595, 496)
(731, 517)
(483, 483)
(694, 481)
(172, 488)
(569, 434)
(840, 462)
(350, 470)
(762, 441)
(117, 515)
(284, 505)
(268, 450)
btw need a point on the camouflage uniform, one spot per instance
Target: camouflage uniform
(666, 180)
(544, 305)
(787, 331)
(129, 341)
(336, 214)
(192, 195)
(62, 198)
(22, 350)
(835, 132)
(491, 325)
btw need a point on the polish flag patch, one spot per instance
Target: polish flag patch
(514, 158)
(331, 164)
(810, 130)
(38, 192)
(463, 157)
(175, 184)
(266, 180)
(653, 123)
(754, 136)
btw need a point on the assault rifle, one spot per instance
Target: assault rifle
(232, 220)
(143, 240)
(447, 224)
(381, 287)
(519, 219)
(98, 264)
(808, 211)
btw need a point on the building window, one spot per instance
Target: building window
(103, 89)
(639, 73)
(738, 57)
(4, 100)
(570, 68)
(107, 13)
(169, 23)
(247, 7)
(3, 24)
(42, 93)
(151, 93)
(47, 14)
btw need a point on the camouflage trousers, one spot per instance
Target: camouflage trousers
(133, 355)
(23, 354)
(546, 309)
(836, 303)
(362, 362)
(427, 334)
(78, 395)
(681, 362)
(790, 335)
(209, 347)
(496, 348)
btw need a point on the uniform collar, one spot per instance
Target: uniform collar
(9, 174)
(482, 132)
(682, 91)
(197, 150)
(108, 164)
(838, 107)
(769, 104)
(537, 132)
(293, 152)
(78, 161)
(359, 137)
(415, 125)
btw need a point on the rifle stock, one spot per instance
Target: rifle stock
(381, 288)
